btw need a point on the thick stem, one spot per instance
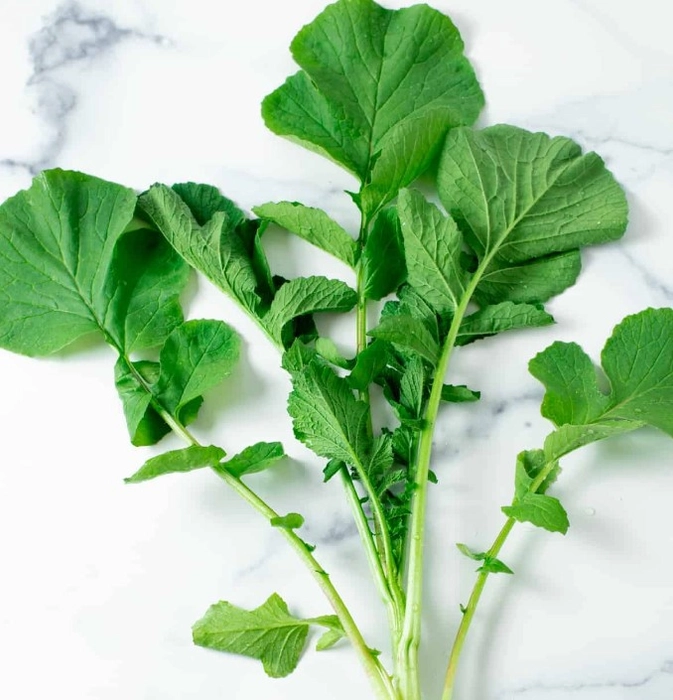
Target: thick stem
(478, 589)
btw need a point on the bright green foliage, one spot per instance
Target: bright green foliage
(459, 394)
(383, 256)
(303, 296)
(432, 245)
(495, 319)
(291, 521)
(313, 225)
(254, 459)
(490, 564)
(185, 460)
(268, 633)
(410, 333)
(327, 417)
(521, 197)
(377, 91)
(327, 349)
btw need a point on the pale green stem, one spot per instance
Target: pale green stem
(478, 589)
(411, 630)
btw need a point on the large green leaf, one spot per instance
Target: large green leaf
(268, 633)
(520, 197)
(378, 91)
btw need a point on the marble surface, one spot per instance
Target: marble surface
(100, 582)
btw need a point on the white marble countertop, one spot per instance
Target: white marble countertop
(101, 582)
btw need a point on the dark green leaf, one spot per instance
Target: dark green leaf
(185, 460)
(432, 248)
(377, 92)
(459, 394)
(327, 417)
(501, 317)
(410, 333)
(313, 225)
(383, 256)
(254, 459)
(369, 364)
(204, 201)
(307, 295)
(412, 387)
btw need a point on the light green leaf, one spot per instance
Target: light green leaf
(568, 437)
(410, 333)
(57, 241)
(185, 460)
(329, 639)
(459, 394)
(307, 295)
(432, 247)
(327, 417)
(506, 316)
(519, 196)
(327, 349)
(542, 511)
(268, 633)
(313, 225)
(254, 459)
(383, 256)
(291, 521)
(490, 564)
(369, 364)
(378, 90)
(213, 247)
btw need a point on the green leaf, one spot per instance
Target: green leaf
(213, 246)
(638, 362)
(254, 459)
(329, 639)
(327, 417)
(382, 458)
(57, 241)
(298, 357)
(506, 316)
(378, 90)
(459, 394)
(307, 295)
(519, 197)
(268, 633)
(333, 467)
(204, 201)
(313, 225)
(432, 247)
(327, 349)
(410, 333)
(530, 282)
(291, 521)
(542, 511)
(185, 460)
(529, 465)
(412, 387)
(490, 565)
(383, 256)
(369, 364)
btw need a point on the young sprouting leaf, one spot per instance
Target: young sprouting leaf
(327, 417)
(373, 95)
(383, 256)
(409, 333)
(535, 507)
(57, 246)
(291, 521)
(268, 633)
(531, 282)
(432, 248)
(369, 364)
(490, 564)
(185, 460)
(213, 247)
(313, 225)
(306, 295)
(254, 459)
(327, 349)
(332, 468)
(459, 394)
(638, 362)
(505, 316)
(329, 639)
(521, 197)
